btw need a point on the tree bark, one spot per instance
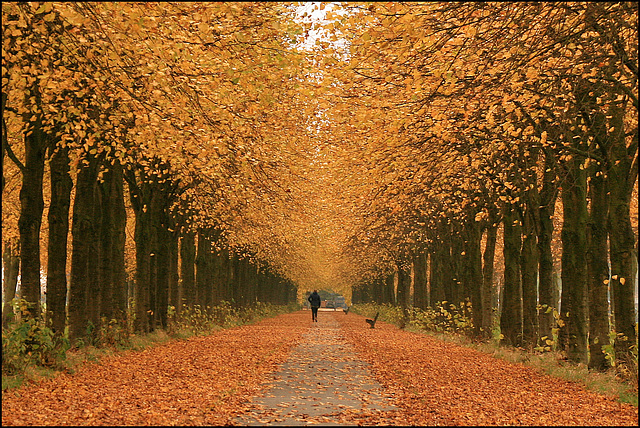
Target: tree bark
(31, 210)
(203, 270)
(623, 172)
(94, 266)
(473, 269)
(187, 268)
(511, 316)
(163, 278)
(420, 297)
(83, 229)
(598, 271)
(107, 231)
(156, 255)
(574, 259)
(11, 265)
(546, 299)
(174, 276)
(402, 295)
(140, 201)
(219, 278)
(388, 295)
(487, 278)
(529, 264)
(437, 275)
(61, 185)
(119, 288)
(456, 273)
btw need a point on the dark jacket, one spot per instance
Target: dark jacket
(314, 299)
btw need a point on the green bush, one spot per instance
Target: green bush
(28, 343)
(446, 317)
(112, 332)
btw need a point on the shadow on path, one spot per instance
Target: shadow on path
(321, 380)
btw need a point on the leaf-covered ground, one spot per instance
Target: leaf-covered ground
(200, 381)
(208, 380)
(439, 383)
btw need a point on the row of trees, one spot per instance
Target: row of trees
(469, 117)
(151, 114)
(409, 133)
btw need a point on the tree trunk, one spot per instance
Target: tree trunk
(31, 209)
(388, 296)
(140, 201)
(242, 283)
(473, 269)
(402, 296)
(187, 268)
(61, 185)
(225, 277)
(355, 296)
(437, 275)
(260, 282)
(598, 272)
(375, 290)
(219, 280)
(157, 255)
(107, 243)
(420, 281)
(574, 259)
(11, 266)
(113, 291)
(163, 260)
(487, 279)
(203, 270)
(174, 276)
(119, 288)
(511, 316)
(546, 299)
(456, 273)
(253, 289)
(83, 230)
(623, 172)
(529, 264)
(94, 267)
(231, 261)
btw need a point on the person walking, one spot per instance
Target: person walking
(314, 299)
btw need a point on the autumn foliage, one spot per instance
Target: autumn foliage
(483, 155)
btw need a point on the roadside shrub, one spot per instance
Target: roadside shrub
(112, 332)
(445, 318)
(31, 343)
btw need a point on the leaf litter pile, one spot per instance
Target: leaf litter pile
(209, 380)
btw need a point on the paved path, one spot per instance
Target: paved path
(322, 378)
